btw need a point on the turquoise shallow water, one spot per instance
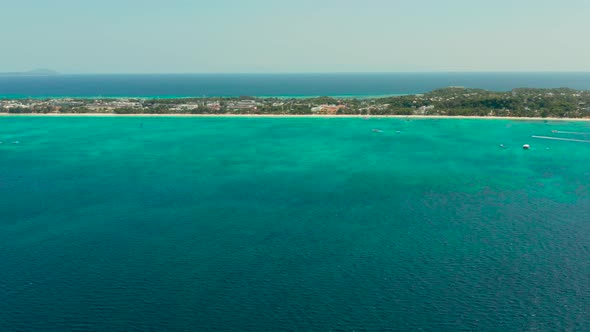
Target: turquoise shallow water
(292, 224)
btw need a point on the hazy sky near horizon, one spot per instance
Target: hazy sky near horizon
(197, 36)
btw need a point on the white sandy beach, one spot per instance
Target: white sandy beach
(293, 116)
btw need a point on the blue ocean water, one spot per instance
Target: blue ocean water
(270, 224)
(277, 85)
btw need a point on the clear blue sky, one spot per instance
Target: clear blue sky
(195, 36)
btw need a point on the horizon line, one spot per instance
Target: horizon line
(56, 73)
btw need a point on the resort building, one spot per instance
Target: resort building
(327, 109)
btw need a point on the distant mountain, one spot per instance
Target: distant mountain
(35, 72)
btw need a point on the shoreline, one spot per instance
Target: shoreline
(167, 97)
(304, 116)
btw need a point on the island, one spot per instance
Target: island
(451, 101)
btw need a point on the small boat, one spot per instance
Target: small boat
(377, 130)
(526, 147)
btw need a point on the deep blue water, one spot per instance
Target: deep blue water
(197, 85)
